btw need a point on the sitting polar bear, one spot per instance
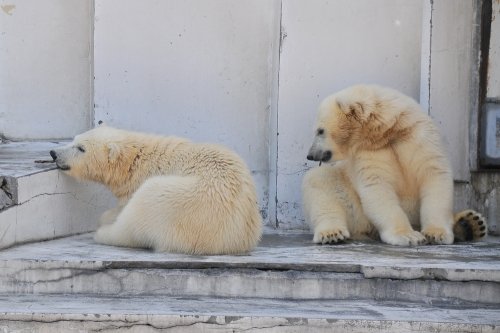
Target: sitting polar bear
(174, 195)
(391, 174)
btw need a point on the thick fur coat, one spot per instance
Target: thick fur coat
(390, 177)
(174, 195)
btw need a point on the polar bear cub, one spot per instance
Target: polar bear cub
(173, 195)
(390, 175)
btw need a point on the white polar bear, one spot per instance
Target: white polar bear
(174, 195)
(390, 174)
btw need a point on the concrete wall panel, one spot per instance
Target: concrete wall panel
(45, 68)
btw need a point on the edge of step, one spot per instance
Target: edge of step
(38, 202)
(69, 313)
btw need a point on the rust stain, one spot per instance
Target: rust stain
(7, 9)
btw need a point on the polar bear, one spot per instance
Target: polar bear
(390, 173)
(173, 195)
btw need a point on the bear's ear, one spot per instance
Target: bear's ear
(113, 151)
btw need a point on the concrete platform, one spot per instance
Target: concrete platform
(287, 284)
(38, 202)
(18, 158)
(286, 251)
(285, 265)
(55, 313)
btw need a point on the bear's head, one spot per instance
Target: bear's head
(94, 155)
(359, 117)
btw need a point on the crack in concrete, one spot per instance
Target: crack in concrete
(73, 273)
(42, 194)
(118, 325)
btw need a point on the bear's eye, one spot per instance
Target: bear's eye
(80, 148)
(321, 131)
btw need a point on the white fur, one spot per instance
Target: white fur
(391, 174)
(174, 195)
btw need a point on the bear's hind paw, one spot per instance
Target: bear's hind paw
(469, 226)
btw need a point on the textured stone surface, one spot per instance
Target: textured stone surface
(283, 266)
(38, 202)
(291, 251)
(50, 313)
(18, 158)
(287, 284)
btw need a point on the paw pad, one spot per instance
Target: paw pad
(469, 226)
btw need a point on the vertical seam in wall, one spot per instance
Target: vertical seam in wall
(277, 115)
(484, 45)
(425, 53)
(272, 206)
(474, 88)
(92, 71)
(430, 60)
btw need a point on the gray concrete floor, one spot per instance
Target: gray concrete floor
(291, 250)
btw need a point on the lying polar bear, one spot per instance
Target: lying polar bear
(174, 195)
(391, 174)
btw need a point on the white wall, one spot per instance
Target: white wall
(198, 69)
(208, 70)
(45, 68)
(329, 45)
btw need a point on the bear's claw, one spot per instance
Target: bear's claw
(438, 235)
(410, 238)
(330, 235)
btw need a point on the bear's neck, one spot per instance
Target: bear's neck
(140, 162)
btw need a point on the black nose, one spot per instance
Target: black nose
(310, 157)
(53, 154)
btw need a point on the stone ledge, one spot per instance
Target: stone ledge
(18, 161)
(26, 278)
(38, 202)
(281, 251)
(56, 313)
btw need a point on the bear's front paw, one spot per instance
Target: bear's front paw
(407, 238)
(330, 234)
(438, 235)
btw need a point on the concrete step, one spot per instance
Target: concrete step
(38, 202)
(60, 313)
(284, 266)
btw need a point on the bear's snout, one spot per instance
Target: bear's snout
(323, 156)
(53, 154)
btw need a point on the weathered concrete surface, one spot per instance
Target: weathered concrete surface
(73, 278)
(52, 313)
(287, 284)
(40, 202)
(288, 251)
(285, 265)
(17, 159)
